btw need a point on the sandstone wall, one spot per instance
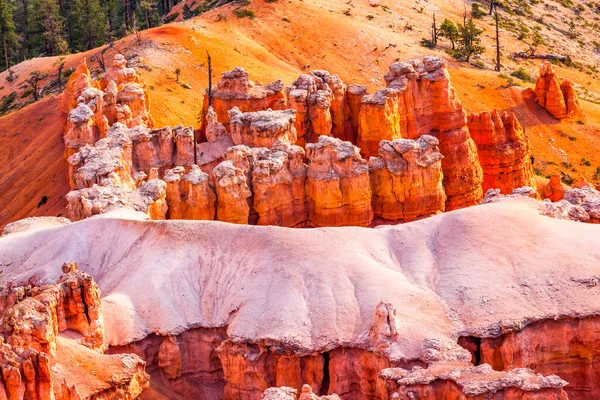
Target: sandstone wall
(503, 150)
(559, 99)
(32, 357)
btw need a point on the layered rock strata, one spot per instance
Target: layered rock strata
(559, 99)
(37, 362)
(503, 150)
(262, 128)
(96, 105)
(189, 195)
(428, 104)
(235, 89)
(406, 179)
(337, 184)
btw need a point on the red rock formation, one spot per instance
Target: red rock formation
(262, 128)
(311, 98)
(566, 347)
(503, 149)
(354, 95)
(235, 89)
(406, 179)
(36, 363)
(379, 119)
(152, 148)
(278, 185)
(184, 146)
(189, 196)
(559, 99)
(337, 184)
(428, 104)
(109, 161)
(554, 190)
(339, 107)
(232, 193)
(93, 111)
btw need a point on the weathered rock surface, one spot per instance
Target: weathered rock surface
(406, 179)
(337, 184)
(33, 361)
(94, 106)
(428, 104)
(588, 198)
(379, 119)
(559, 99)
(189, 196)
(262, 128)
(232, 193)
(278, 186)
(554, 189)
(235, 89)
(503, 149)
(288, 393)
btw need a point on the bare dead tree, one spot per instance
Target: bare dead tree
(210, 73)
(34, 80)
(497, 18)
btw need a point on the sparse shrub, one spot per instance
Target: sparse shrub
(580, 122)
(427, 43)
(177, 74)
(68, 72)
(7, 102)
(585, 162)
(185, 86)
(286, 19)
(596, 175)
(476, 11)
(370, 17)
(271, 1)
(244, 13)
(522, 74)
(538, 171)
(572, 138)
(347, 12)
(244, 3)
(567, 180)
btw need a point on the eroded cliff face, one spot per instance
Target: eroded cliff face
(568, 347)
(428, 104)
(406, 179)
(337, 184)
(559, 99)
(39, 361)
(96, 105)
(235, 89)
(503, 150)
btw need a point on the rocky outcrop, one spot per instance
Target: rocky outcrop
(262, 128)
(428, 104)
(96, 105)
(278, 186)
(189, 196)
(232, 193)
(554, 189)
(406, 179)
(37, 362)
(288, 393)
(379, 119)
(354, 96)
(337, 184)
(588, 198)
(503, 149)
(559, 99)
(235, 89)
(566, 347)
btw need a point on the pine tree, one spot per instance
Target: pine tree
(47, 28)
(7, 31)
(91, 24)
(449, 31)
(469, 41)
(147, 9)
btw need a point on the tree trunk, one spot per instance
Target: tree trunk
(492, 4)
(497, 18)
(147, 19)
